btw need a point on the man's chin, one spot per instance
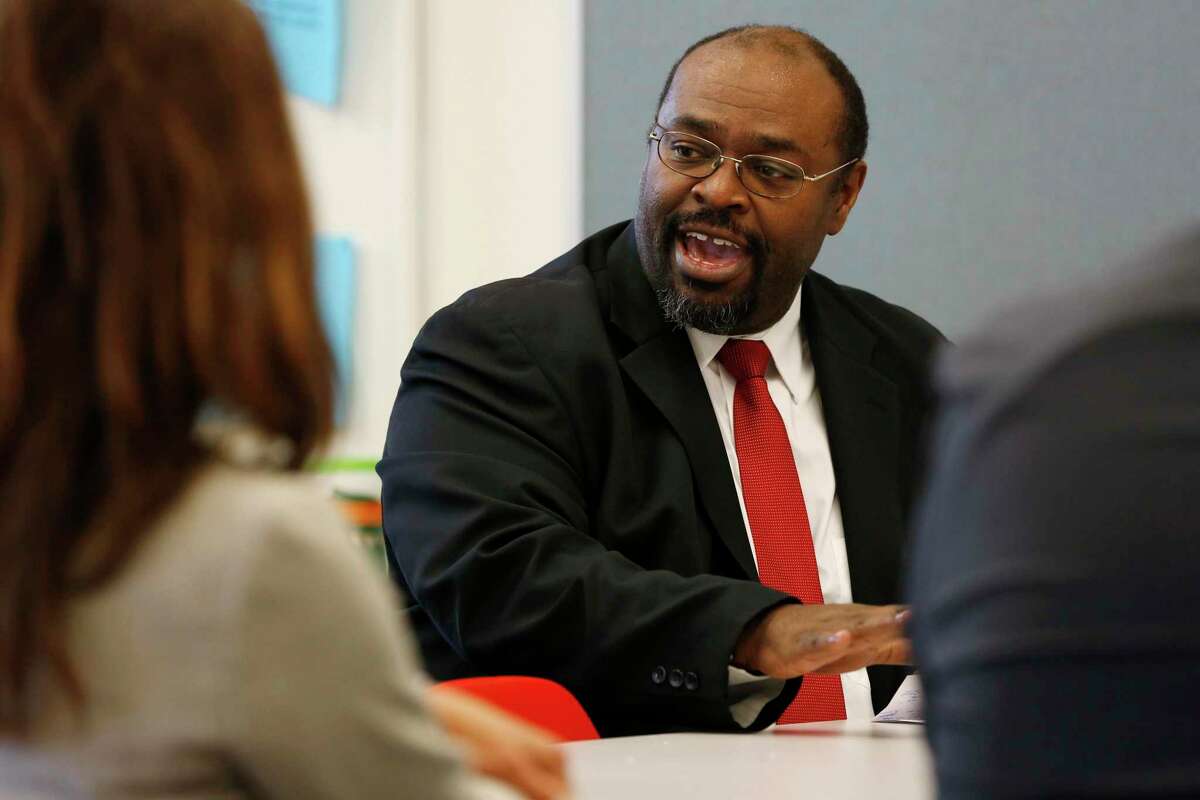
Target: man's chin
(708, 292)
(714, 309)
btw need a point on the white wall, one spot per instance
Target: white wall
(503, 138)
(453, 159)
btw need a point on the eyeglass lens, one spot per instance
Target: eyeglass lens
(699, 158)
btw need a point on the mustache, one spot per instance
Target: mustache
(755, 244)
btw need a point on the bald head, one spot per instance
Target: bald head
(801, 46)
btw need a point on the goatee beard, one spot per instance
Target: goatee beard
(720, 318)
(682, 311)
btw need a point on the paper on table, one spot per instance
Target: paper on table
(908, 704)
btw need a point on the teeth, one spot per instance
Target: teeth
(718, 241)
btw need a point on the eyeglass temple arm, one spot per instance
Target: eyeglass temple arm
(830, 172)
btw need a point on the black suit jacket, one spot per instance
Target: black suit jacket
(558, 502)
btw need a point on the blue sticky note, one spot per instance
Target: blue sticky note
(306, 36)
(336, 292)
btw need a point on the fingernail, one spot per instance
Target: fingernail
(903, 615)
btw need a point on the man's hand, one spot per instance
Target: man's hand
(793, 639)
(501, 746)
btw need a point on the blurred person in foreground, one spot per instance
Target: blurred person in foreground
(180, 615)
(1055, 578)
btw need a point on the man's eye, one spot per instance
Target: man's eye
(773, 171)
(685, 152)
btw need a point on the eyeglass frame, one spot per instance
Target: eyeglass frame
(737, 162)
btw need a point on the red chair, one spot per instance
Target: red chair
(536, 700)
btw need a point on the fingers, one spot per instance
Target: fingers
(896, 651)
(541, 775)
(881, 620)
(879, 628)
(900, 653)
(502, 746)
(532, 774)
(535, 769)
(797, 639)
(826, 648)
(807, 651)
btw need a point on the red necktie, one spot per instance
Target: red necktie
(775, 507)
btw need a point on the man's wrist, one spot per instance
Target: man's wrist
(745, 650)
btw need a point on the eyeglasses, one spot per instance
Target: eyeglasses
(762, 175)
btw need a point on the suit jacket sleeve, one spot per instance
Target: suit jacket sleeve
(488, 516)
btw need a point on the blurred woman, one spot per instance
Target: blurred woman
(179, 616)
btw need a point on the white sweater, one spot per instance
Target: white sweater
(248, 650)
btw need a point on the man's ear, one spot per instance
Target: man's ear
(846, 196)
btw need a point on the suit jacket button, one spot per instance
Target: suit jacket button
(691, 681)
(659, 674)
(676, 678)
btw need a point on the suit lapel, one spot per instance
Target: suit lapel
(860, 404)
(662, 365)
(862, 417)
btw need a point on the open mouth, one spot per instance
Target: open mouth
(709, 257)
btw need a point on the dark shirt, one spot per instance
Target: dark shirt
(1055, 574)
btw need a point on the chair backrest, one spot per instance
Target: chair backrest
(536, 700)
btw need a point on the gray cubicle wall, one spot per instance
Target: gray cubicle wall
(1015, 145)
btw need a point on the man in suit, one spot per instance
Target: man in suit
(1056, 567)
(672, 468)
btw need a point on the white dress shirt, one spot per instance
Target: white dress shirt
(792, 383)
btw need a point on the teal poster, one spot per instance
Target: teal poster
(306, 36)
(336, 291)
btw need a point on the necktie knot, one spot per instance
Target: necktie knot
(745, 358)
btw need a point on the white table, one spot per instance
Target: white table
(826, 760)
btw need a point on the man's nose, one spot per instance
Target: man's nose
(722, 189)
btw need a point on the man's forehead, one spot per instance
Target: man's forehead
(793, 93)
(755, 69)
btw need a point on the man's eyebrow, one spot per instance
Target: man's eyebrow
(695, 123)
(764, 143)
(777, 144)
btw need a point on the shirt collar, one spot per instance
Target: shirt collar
(782, 339)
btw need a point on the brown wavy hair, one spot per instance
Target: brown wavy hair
(155, 260)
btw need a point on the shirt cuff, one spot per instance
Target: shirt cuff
(749, 694)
